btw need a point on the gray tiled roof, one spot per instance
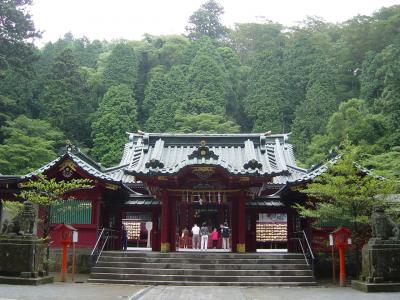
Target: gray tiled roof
(163, 153)
(239, 154)
(311, 174)
(82, 160)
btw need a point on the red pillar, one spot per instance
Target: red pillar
(155, 233)
(172, 222)
(165, 221)
(64, 261)
(241, 209)
(342, 272)
(234, 223)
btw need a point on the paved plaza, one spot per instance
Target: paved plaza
(83, 291)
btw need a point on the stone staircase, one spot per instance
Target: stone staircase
(202, 268)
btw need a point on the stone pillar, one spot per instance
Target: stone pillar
(165, 221)
(241, 216)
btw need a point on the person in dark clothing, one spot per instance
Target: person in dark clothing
(124, 238)
(204, 236)
(225, 234)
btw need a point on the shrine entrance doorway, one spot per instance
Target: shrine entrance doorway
(213, 215)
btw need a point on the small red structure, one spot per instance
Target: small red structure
(341, 237)
(66, 240)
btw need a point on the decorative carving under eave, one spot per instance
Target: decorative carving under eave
(154, 163)
(253, 164)
(203, 152)
(67, 168)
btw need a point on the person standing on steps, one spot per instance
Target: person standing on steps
(225, 233)
(196, 237)
(124, 238)
(185, 237)
(204, 236)
(214, 238)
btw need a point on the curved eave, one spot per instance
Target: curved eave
(163, 172)
(86, 168)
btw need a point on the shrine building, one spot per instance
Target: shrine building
(173, 181)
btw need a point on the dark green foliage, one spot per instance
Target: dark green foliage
(267, 93)
(16, 30)
(249, 39)
(8, 108)
(121, 67)
(352, 121)
(206, 22)
(117, 114)
(205, 123)
(253, 77)
(207, 85)
(65, 98)
(164, 99)
(28, 144)
(312, 115)
(343, 195)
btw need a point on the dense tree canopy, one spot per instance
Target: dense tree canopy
(117, 114)
(322, 82)
(28, 144)
(206, 22)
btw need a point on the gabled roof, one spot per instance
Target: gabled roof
(314, 172)
(238, 154)
(87, 164)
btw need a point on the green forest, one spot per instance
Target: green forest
(324, 83)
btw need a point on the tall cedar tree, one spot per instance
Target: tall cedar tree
(16, 34)
(207, 85)
(206, 22)
(65, 99)
(116, 115)
(122, 67)
(164, 99)
(312, 114)
(267, 93)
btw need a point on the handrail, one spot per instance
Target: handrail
(310, 252)
(97, 242)
(102, 248)
(308, 244)
(103, 238)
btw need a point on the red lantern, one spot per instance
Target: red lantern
(66, 240)
(342, 240)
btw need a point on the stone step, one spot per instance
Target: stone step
(188, 271)
(200, 260)
(204, 266)
(199, 278)
(202, 283)
(207, 255)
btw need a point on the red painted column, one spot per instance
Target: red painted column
(172, 224)
(165, 221)
(342, 272)
(241, 210)
(64, 261)
(234, 223)
(155, 233)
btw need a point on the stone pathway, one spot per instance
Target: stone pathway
(85, 291)
(259, 293)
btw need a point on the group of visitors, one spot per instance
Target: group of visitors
(201, 236)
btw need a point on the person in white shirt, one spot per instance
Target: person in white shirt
(204, 236)
(196, 237)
